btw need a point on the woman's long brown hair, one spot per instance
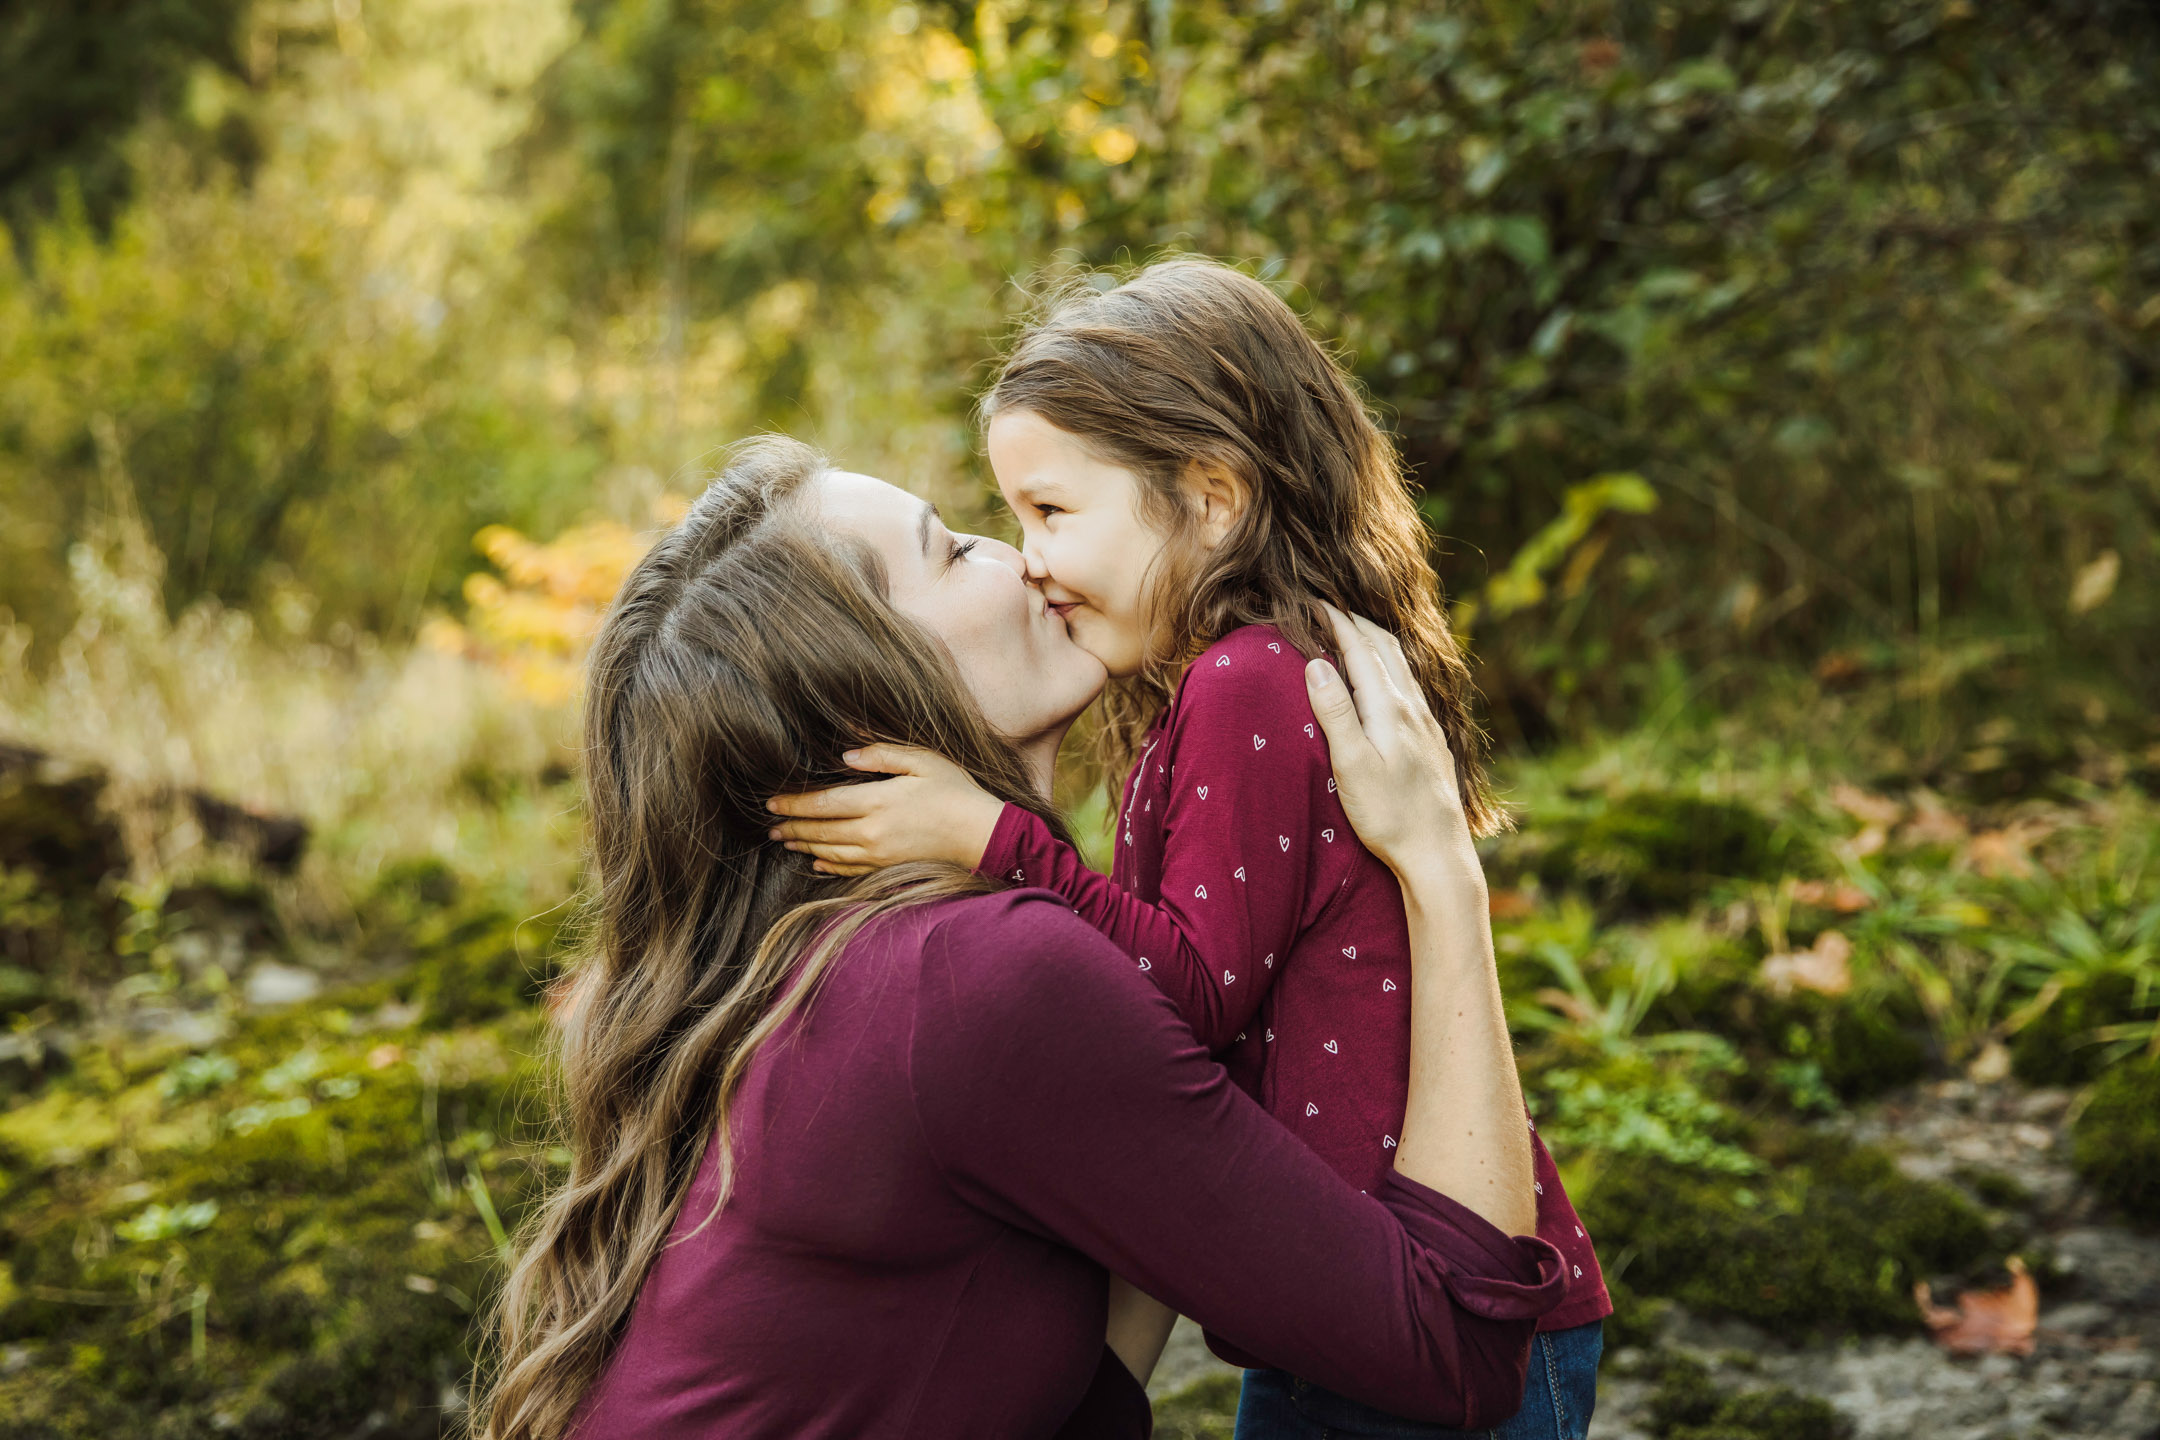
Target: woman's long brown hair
(1191, 362)
(745, 652)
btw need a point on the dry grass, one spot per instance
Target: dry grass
(387, 752)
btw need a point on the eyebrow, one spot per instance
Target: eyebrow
(923, 522)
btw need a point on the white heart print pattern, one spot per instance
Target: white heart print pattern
(1330, 784)
(1328, 835)
(1258, 743)
(1221, 660)
(1144, 964)
(1228, 978)
(1350, 951)
(1203, 792)
(1308, 732)
(1199, 892)
(1271, 1035)
(1274, 647)
(1332, 1048)
(1387, 1142)
(1311, 1109)
(1284, 841)
(1239, 873)
(1269, 960)
(1386, 986)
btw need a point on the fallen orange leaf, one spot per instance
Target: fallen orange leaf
(1986, 1321)
(1825, 967)
(1867, 808)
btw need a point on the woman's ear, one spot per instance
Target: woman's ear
(1218, 496)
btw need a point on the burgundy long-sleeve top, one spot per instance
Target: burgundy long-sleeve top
(1241, 891)
(982, 1110)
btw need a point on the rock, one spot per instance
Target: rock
(270, 984)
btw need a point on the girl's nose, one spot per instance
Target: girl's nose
(1031, 558)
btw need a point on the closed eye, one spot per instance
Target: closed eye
(961, 549)
(1046, 511)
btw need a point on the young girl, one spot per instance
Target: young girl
(1194, 476)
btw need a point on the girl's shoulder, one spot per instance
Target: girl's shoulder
(1253, 676)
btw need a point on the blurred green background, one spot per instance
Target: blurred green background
(1781, 381)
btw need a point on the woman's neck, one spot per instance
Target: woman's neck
(1041, 752)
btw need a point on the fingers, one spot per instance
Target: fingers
(884, 758)
(1337, 713)
(1361, 663)
(841, 802)
(818, 832)
(834, 854)
(1389, 649)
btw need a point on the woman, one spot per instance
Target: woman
(859, 1163)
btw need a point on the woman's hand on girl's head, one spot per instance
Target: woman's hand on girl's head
(1393, 769)
(930, 810)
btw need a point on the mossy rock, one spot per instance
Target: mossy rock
(1689, 1405)
(2116, 1145)
(1653, 850)
(1830, 1238)
(2056, 1049)
(477, 963)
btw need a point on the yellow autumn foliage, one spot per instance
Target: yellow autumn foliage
(535, 617)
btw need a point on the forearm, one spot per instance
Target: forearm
(1139, 1327)
(1465, 1132)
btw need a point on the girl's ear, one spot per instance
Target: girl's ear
(1218, 496)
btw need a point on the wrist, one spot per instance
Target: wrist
(1442, 876)
(977, 825)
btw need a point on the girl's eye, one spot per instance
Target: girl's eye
(1047, 511)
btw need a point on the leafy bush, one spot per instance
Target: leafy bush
(1653, 850)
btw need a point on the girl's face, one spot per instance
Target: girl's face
(1012, 649)
(1082, 535)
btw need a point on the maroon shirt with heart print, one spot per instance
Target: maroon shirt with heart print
(1242, 891)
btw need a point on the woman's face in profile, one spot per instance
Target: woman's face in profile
(1013, 650)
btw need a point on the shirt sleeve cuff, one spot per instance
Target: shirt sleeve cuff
(1008, 840)
(1490, 1274)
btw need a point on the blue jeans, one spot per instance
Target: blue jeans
(1557, 1400)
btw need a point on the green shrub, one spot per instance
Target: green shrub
(1830, 1237)
(2116, 1145)
(1652, 850)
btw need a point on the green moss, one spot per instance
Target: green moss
(1689, 1405)
(478, 963)
(1653, 850)
(2055, 1048)
(1205, 1410)
(2116, 1145)
(1829, 1237)
(315, 1198)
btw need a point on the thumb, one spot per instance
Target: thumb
(883, 758)
(1334, 708)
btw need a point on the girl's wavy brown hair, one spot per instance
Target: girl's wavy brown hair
(745, 652)
(1190, 362)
